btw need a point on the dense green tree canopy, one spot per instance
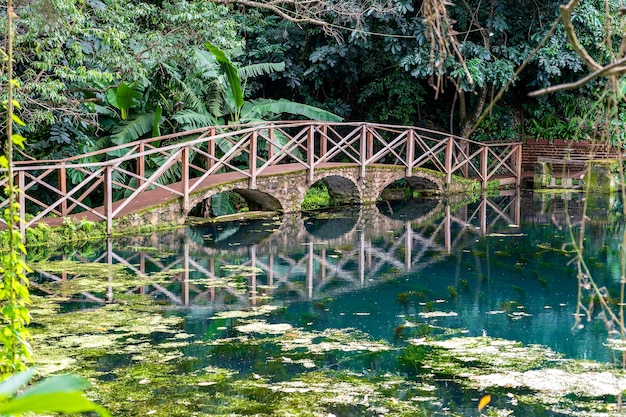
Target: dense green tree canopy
(452, 57)
(70, 56)
(96, 72)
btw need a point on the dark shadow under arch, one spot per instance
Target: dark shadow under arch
(407, 209)
(330, 224)
(341, 190)
(258, 200)
(421, 183)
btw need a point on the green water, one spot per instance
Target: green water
(341, 313)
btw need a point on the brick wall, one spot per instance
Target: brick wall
(560, 149)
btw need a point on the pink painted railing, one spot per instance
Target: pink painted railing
(113, 178)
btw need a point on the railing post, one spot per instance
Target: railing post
(483, 215)
(310, 153)
(109, 263)
(21, 183)
(362, 258)
(62, 177)
(448, 164)
(253, 278)
(323, 141)
(141, 165)
(363, 150)
(370, 144)
(408, 245)
(484, 161)
(517, 209)
(253, 159)
(270, 145)
(108, 198)
(211, 149)
(410, 152)
(518, 165)
(309, 270)
(447, 229)
(185, 178)
(185, 299)
(466, 152)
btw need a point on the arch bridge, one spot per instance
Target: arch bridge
(270, 164)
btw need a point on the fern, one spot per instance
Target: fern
(172, 175)
(59, 133)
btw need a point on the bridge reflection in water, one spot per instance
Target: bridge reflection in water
(234, 266)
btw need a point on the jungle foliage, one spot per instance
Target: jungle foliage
(391, 72)
(103, 72)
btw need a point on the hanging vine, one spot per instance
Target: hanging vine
(14, 295)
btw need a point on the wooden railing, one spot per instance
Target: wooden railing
(112, 178)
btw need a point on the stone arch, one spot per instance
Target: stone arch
(285, 191)
(429, 183)
(259, 200)
(256, 200)
(342, 190)
(423, 183)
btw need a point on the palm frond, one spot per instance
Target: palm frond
(134, 129)
(263, 68)
(215, 105)
(264, 107)
(231, 73)
(206, 63)
(190, 119)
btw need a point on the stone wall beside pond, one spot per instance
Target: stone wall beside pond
(537, 149)
(561, 164)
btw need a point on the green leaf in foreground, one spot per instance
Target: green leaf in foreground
(57, 394)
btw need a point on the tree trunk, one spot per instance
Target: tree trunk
(468, 123)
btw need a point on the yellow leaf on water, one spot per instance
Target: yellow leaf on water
(483, 402)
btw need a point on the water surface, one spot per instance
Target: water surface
(503, 267)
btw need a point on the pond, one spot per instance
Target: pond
(418, 307)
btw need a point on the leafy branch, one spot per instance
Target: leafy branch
(615, 68)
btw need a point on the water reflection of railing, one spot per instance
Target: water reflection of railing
(380, 244)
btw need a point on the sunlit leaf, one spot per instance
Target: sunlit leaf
(17, 120)
(156, 131)
(125, 96)
(55, 384)
(483, 402)
(18, 140)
